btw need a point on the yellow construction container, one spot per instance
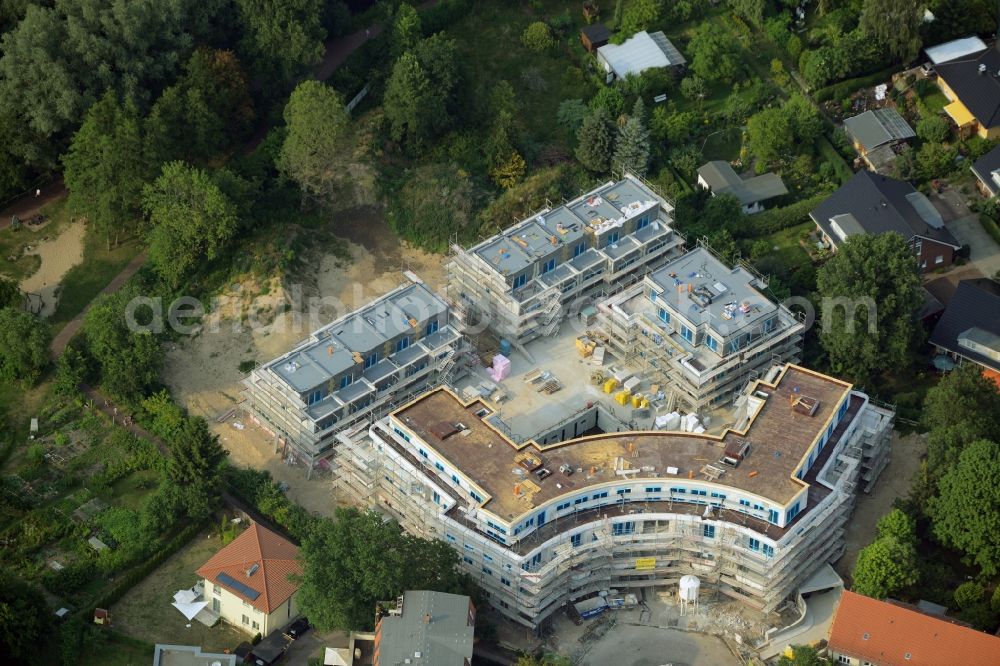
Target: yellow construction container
(585, 346)
(644, 404)
(637, 400)
(610, 385)
(622, 397)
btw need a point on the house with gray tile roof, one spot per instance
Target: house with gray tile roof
(969, 329)
(720, 177)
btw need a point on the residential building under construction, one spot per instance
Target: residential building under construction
(353, 370)
(524, 281)
(700, 328)
(752, 511)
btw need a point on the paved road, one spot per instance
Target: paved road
(60, 341)
(985, 253)
(652, 646)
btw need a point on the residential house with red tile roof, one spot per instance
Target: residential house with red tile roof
(869, 632)
(248, 581)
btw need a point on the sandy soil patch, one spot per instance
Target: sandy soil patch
(203, 371)
(58, 255)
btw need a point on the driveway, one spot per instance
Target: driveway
(985, 252)
(311, 645)
(653, 646)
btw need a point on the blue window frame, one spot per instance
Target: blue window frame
(611, 239)
(642, 223)
(454, 477)
(423, 453)
(437, 498)
(580, 500)
(679, 491)
(450, 538)
(475, 496)
(701, 493)
(548, 266)
(579, 249)
(403, 343)
(758, 507)
(487, 571)
(439, 466)
(315, 397)
(686, 333)
(575, 540)
(619, 529)
(345, 381)
(469, 548)
(773, 516)
(652, 295)
(564, 505)
(505, 581)
(520, 281)
(734, 346)
(769, 325)
(708, 531)
(600, 495)
(623, 491)
(792, 512)
(664, 316)
(467, 559)
(432, 327)
(487, 557)
(371, 360)
(654, 489)
(754, 545)
(402, 434)
(768, 551)
(711, 343)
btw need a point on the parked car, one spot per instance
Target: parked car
(297, 628)
(927, 69)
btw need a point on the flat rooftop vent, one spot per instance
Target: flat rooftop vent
(444, 429)
(804, 404)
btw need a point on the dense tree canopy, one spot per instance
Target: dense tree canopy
(712, 54)
(595, 140)
(191, 220)
(418, 94)
(966, 514)
(106, 165)
(194, 466)
(24, 346)
(281, 38)
(895, 23)
(885, 567)
(870, 292)
(358, 559)
(316, 122)
(24, 620)
(632, 146)
(963, 407)
(129, 361)
(10, 294)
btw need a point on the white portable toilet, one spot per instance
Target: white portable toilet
(687, 592)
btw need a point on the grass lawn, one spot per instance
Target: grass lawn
(724, 145)
(934, 100)
(85, 281)
(786, 241)
(146, 613)
(112, 652)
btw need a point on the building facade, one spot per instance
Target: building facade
(352, 370)
(542, 525)
(524, 281)
(700, 328)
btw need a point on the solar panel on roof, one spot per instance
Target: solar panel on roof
(236, 585)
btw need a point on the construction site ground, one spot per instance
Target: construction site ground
(203, 371)
(659, 633)
(528, 410)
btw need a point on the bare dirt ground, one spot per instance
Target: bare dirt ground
(203, 371)
(58, 255)
(894, 482)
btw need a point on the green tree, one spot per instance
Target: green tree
(570, 114)
(694, 87)
(105, 167)
(129, 360)
(963, 407)
(595, 140)
(935, 160)
(352, 562)
(616, 20)
(611, 99)
(419, 91)
(24, 620)
(769, 135)
(713, 54)
(317, 122)
(673, 126)
(205, 113)
(640, 15)
(966, 513)
(191, 221)
(885, 567)
(406, 29)
(24, 346)
(894, 23)
(871, 294)
(805, 120)
(194, 466)
(10, 294)
(899, 526)
(538, 36)
(933, 128)
(632, 146)
(968, 594)
(751, 10)
(281, 38)
(71, 370)
(803, 655)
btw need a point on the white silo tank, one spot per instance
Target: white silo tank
(689, 587)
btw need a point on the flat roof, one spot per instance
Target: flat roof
(189, 655)
(331, 349)
(704, 290)
(956, 48)
(434, 628)
(640, 52)
(781, 437)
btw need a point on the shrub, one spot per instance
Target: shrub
(538, 37)
(968, 594)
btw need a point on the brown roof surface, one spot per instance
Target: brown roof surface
(276, 558)
(780, 436)
(888, 634)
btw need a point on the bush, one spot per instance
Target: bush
(538, 37)
(845, 88)
(776, 219)
(968, 594)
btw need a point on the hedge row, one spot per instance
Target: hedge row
(991, 227)
(844, 88)
(831, 155)
(776, 219)
(133, 577)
